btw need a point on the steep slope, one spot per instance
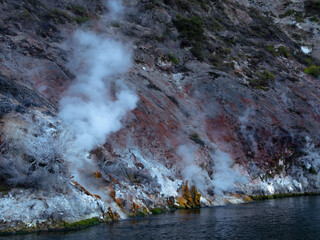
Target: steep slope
(228, 104)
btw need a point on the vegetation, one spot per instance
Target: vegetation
(81, 224)
(81, 14)
(195, 137)
(191, 29)
(173, 59)
(281, 195)
(272, 50)
(263, 80)
(313, 71)
(156, 211)
(4, 189)
(283, 52)
(214, 24)
(58, 16)
(36, 163)
(298, 16)
(192, 34)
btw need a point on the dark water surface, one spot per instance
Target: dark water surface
(290, 218)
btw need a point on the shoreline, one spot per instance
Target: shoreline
(64, 226)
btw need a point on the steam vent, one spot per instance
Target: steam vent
(111, 110)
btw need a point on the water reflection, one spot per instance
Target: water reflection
(292, 218)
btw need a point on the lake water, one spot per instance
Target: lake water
(290, 218)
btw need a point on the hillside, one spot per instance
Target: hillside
(110, 110)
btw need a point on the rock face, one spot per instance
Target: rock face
(225, 103)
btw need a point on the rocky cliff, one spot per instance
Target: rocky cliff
(116, 109)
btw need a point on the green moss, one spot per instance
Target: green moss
(141, 214)
(156, 211)
(282, 195)
(313, 71)
(81, 224)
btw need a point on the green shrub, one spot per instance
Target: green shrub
(298, 16)
(263, 80)
(267, 76)
(192, 33)
(197, 52)
(283, 52)
(190, 28)
(314, 19)
(195, 137)
(58, 16)
(272, 50)
(81, 14)
(81, 19)
(313, 71)
(287, 13)
(173, 59)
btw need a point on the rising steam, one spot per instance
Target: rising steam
(226, 177)
(191, 171)
(88, 109)
(96, 102)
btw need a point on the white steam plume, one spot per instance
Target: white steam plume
(191, 171)
(96, 102)
(226, 177)
(87, 109)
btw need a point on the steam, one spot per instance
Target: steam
(96, 102)
(116, 8)
(226, 177)
(246, 132)
(191, 171)
(88, 109)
